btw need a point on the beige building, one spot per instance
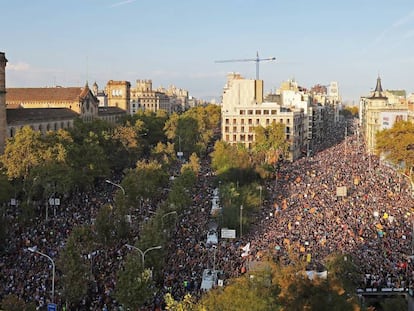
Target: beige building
(118, 93)
(243, 109)
(78, 99)
(178, 98)
(3, 119)
(39, 119)
(377, 113)
(143, 97)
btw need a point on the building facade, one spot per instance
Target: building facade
(143, 97)
(78, 99)
(3, 117)
(377, 113)
(118, 94)
(243, 109)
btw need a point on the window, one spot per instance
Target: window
(250, 112)
(274, 111)
(250, 121)
(234, 128)
(265, 111)
(267, 121)
(226, 129)
(242, 129)
(234, 121)
(227, 121)
(257, 121)
(258, 112)
(242, 112)
(242, 121)
(242, 137)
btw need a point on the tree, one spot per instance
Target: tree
(87, 160)
(397, 146)
(6, 189)
(164, 154)
(231, 162)
(104, 225)
(134, 287)
(144, 181)
(193, 164)
(23, 152)
(254, 291)
(187, 304)
(270, 145)
(12, 302)
(72, 264)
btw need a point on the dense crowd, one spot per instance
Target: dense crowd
(303, 211)
(372, 221)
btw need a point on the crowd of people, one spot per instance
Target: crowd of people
(342, 200)
(338, 200)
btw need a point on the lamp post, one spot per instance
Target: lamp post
(241, 220)
(179, 153)
(116, 185)
(260, 194)
(34, 250)
(169, 213)
(143, 252)
(123, 191)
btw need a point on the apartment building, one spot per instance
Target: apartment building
(377, 113)
(243, 109)
(143, 97)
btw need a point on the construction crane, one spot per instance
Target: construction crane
(257, 60)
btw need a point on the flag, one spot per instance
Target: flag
(246, 250)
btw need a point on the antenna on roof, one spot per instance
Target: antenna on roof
(87, 69)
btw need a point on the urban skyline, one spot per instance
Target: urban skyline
(70, 42)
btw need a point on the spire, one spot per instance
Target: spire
(378, 87)
(378, 92)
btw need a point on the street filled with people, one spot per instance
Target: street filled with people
(340, 199)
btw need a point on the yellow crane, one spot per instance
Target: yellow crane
(257, 60)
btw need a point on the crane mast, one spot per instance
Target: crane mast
(257, 60)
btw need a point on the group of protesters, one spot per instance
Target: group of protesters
(370, 219)
(342, 201)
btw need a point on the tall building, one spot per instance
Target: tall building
(3, 119)
(244, 108)
(377, 113)
(119, 93)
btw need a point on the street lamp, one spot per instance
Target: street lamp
(116, 185)
(143, 252)
(34, 250)
(241, 220)
(179, 153)
(169, 213)
(260, 194)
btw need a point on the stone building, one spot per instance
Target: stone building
(118, 93)
(143, 97)
(47, 108)
(377, 113)
(3, 119)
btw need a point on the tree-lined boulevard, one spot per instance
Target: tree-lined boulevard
(130, 230)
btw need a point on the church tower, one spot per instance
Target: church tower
(3, 120)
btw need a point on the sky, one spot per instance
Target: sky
(178, 42)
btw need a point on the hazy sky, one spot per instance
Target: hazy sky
(176, 42)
